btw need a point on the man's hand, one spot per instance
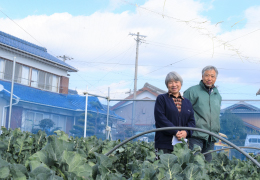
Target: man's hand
(181, 134)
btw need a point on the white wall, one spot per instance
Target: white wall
(32, 63)
(143, 95)
(146, 94)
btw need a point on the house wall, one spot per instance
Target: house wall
(146, 94)
(64, 83)
(144, 113)
(32, 63)
(143, 95)
(251, 118)
(16, 117)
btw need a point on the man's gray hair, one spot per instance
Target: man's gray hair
(173, 76)
(210, 68)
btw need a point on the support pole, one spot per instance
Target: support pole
(86, 115)
(11, 96)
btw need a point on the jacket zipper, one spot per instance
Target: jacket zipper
(210, 111)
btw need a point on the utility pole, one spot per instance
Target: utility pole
(64, 57)
(138, 40)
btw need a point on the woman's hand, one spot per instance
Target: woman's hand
(181, 134)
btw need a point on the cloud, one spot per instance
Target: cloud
(178, 38)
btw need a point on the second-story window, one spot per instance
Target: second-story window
(34, 78)
(41, 79)
(44, 80)
(55, 83)
(2, 68)
(21, 74)
(8, 70)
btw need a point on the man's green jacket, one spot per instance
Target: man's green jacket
(206, 108)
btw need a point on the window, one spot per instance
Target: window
(55, 86)
(8, 70)
(38, 118)
(18, 73)
(253, 140)
(34, 78)
(29, 121)
(60, 121)
(39, 79)
(2, 68)
(45, 80)
(25, 75)
(21, 74)
(48, 82)
(32, 119)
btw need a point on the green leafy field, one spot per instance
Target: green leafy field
(24, 155)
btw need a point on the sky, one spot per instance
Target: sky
(181, 35)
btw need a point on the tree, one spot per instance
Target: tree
(46, 125)
(234, 128)
(95, 123)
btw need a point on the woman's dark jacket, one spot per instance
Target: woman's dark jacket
(166, 115)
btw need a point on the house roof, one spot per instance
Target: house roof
(147, 87)
(241, 107)
(245, 108)
(258, 92)
(252, 125)
(10, 42)
(73, 102)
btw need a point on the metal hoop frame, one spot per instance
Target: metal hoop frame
(186, 128)
(241, 147)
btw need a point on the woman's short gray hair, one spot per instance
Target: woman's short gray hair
(173, 76)
(210, 68)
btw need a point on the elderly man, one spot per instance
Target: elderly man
(206, 101)
(172, 110)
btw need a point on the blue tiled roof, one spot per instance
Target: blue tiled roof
(28, 47)
(46, 98)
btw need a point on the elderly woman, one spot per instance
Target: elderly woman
(172, 110)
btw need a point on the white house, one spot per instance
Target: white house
(41, 87)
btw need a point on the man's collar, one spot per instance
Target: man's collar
(202, 83)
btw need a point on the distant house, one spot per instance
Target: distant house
(41, 88)
(258, 92)
(248, 113)
(144, 118)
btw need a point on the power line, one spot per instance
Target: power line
(109, 49)
(20, 27)
(189, 22)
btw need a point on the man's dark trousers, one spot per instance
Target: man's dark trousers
(205, 146)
